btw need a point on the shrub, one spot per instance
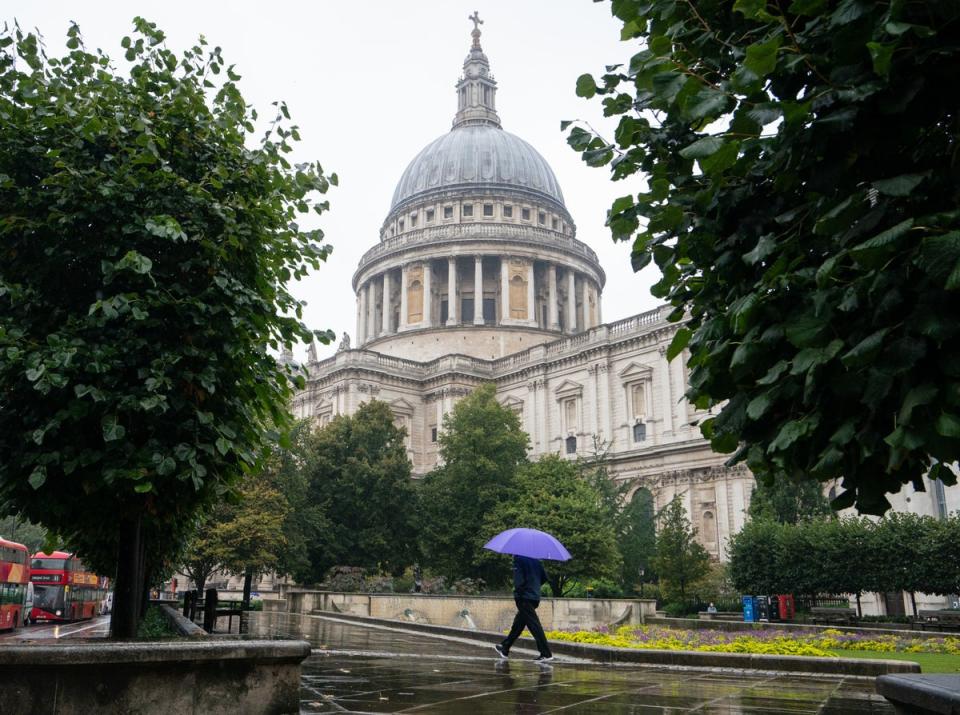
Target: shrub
(344, 578)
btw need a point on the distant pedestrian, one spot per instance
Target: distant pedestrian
(417, 579)
(711, 608)
(528, 577)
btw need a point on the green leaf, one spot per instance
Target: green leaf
(720, 160)
(702, 147)
(759, 405)
(881, 55)
(37, 477)
(761, 57)
(866, 349)
(948, 425)
(753, 10)
(223, 445)
(680, 340)
(586, 86)
(112, 429)
(143, 487)
(806, 7)
(166, 466)
(902, 185)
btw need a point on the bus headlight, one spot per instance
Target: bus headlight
(58, 613)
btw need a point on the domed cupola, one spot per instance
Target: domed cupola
(478, 254)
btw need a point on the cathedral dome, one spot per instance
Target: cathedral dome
(477, 156)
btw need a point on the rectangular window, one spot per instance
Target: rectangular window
(429, 215)
(508, 211)
(541, 217)
(488, 209)
(468, 209)
(400, 224)
(571, 445)
(448, 211)
(525, 214)
(639, 432)
(489, 310)
(433, 434)
(444, 312)
(556, 224)
(413, 220)
(466, 310)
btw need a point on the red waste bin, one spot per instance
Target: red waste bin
(786, 606)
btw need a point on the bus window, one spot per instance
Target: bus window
(50, 564)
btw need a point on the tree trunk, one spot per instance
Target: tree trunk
(859, 609)
(913, 600)
(247, 581)
(127, 591)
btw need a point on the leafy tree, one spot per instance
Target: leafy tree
(358, 471)
(754, 557)
(680, 560)
(250, 539)
(638, 538)
(550, 495)
(481, 445)
(909, 554)
(202, 554)
(788, 502)
(145, 251)
(801, 205)
(31, 535)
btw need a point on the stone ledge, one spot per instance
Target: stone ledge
(181, 623)
(922, 694)
(688, 659)
(215, 676)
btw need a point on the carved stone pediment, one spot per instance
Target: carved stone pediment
(568, 388)
(636, 371)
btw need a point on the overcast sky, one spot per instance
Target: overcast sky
(371, 83)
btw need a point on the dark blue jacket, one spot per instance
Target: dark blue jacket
(528, 577)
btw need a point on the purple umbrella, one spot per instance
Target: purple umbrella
(528, 542)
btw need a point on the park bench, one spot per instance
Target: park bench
(939, 620)
(843, 616)
(721, 616)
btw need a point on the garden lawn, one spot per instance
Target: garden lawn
(929, 662)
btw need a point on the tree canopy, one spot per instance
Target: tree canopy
(552, 496)
(358, 475)
(145, 251)
(680, 560)
(789, 501)
(801, 205)
(481, 447)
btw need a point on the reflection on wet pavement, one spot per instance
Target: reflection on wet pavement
(361, 669)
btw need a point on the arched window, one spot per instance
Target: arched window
(415, 302)
(571, 445)
(570, 415)
(639, 432)
(518, 297)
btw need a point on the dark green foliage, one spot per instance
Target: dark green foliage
(155, 625)
(638, 539)
(550, 495)
(481, 445)
(901, 552)
(146, 242)
(359, 485)
(679, 560)
(802, 207)
(789, 502)
(24, 532)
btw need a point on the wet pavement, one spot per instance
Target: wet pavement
(94, 628)
(363, 669)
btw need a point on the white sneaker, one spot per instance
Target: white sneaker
(502, 653)
(543, 659)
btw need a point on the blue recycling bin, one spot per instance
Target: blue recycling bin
(749, 609)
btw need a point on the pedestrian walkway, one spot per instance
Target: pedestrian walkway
(93, 628)
(364, 669)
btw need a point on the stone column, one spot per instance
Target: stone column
(553, 312)
(452, 291)
(427, 294)
(362, 322)
(531, 294)
(478, 290)
(440, 412)
(359, 332)
(505, 315)
(371, 310)
(387, 311)
(403, 298)
(585, 302)
(571, 301)
(665, 372)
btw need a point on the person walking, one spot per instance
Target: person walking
(528, 576)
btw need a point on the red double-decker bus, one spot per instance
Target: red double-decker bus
(63, 588)
(14, 577)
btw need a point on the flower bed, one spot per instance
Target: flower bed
(769, 642)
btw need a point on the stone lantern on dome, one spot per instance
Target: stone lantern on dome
(478, 254)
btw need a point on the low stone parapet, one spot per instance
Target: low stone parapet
(473, 612)
(173, 676)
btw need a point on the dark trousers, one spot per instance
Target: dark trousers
(527, 618)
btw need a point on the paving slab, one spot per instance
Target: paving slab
(359, 669)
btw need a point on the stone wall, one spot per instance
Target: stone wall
(174, 676)
(490, 613)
